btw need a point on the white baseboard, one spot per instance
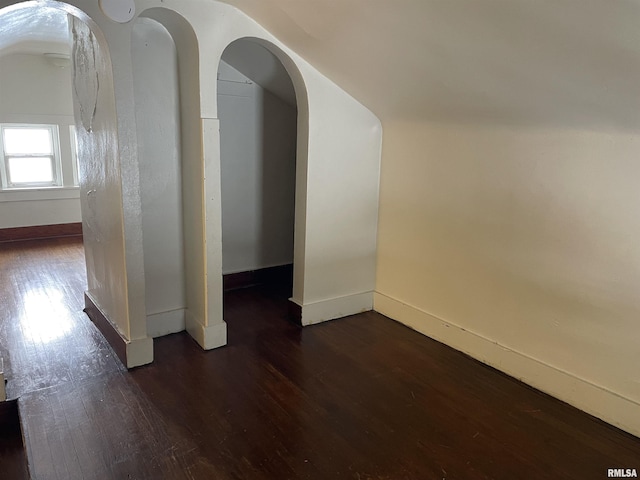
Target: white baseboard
(165, 323)
(209, 336)
(139, 352)
(596, 400)
(336, 308)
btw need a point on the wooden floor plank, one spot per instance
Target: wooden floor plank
(358, 398)
(45, 339)
(13, 461)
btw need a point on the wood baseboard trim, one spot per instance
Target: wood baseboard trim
(329, 309)
(596, 400)
(40, 231)
(251, 278)
(332, 308)
(166, 323)
(118, 344)
(207, 336)
(132, 353)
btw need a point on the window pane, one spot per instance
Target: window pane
(27, 141)
(30, 170)
(74, 155)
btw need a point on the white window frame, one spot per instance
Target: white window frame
(74, 155)
(56, 164)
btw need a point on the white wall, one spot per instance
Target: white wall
(155, 70)
(519, 246)
(336, 183)
(31, 85)
(337, 173)
(32, 90)
(257, 156)
(111, 219)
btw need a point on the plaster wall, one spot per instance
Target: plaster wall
(517, 246)
(338, 155)
(257, 155)
(101, 191)
(34, 91)
(337, 172)
(107, 186)
(155, 68)
(203, 293)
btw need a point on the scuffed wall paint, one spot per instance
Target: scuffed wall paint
(100, 193)
(86, 83)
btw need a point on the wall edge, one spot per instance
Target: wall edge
(591, 398)
(132, 353)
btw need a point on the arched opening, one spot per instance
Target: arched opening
(259, 145)
(157, 102)
(38, 158)
(166, 91)
(56, 58)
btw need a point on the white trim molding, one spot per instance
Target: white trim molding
(165, 323)
(596, 400)
(333, 308)
(207, 336)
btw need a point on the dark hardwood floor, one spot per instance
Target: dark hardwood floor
(45, 339)
(357, 398)
(13, 461)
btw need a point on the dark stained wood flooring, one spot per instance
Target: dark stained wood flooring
(13, 461)
(357, 398)
(45, 339)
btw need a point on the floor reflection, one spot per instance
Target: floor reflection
(45, 317)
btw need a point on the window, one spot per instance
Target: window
(30, 156)
(74, 155)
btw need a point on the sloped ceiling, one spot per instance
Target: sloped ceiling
(573, 63)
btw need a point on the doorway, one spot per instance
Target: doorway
(47, 265)
(258, 112)
(157, 105)
(40, 208)
(39, 181)
(167, 93)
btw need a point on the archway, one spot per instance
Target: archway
(94, 116)
(107, 299)
(36, 111)
(157, 106)
(258, 114)
(166, 85)
(262, 160)
(261, 167)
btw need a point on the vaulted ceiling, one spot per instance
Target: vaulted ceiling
(572, 63)
(34, 30)
(567, 63)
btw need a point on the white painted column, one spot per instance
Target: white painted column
(210, 331)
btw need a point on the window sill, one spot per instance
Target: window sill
(42, 193)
